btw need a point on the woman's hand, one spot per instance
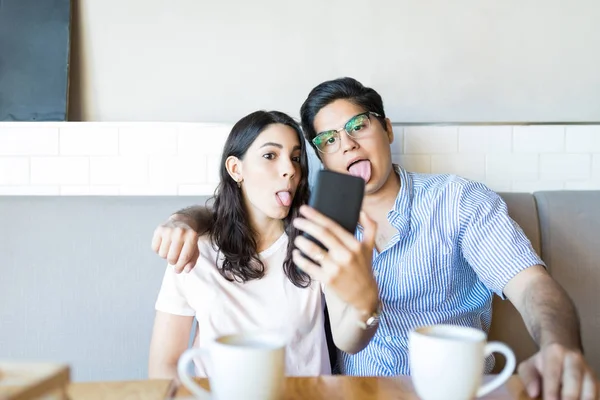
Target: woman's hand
(346, 268)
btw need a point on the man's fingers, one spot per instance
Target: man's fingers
(175, 251)
(314, 271)
(190, 265)
(530, 377)
(572, 377)
(552, 371)
(165, 244)
(186, 255)
(369, 229)
(589, 389)
(156, 239)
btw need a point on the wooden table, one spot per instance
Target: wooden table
(152, 389)
(366, 388)
(32, 380)
(324, 387)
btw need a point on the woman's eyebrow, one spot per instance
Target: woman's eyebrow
(272, 144)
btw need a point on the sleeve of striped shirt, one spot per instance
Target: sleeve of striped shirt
(491, 242)
(171, 297)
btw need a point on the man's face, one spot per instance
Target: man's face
(367, 155)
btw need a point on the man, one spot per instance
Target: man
(444, 245)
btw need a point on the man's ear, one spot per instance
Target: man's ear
(389, 130)
(234, 168)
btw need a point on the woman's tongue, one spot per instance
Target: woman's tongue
(362, 169)
(285, 198)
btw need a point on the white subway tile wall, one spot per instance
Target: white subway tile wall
(583, 139)
(485, 139)
(512, 167)
(539, 139)
(430, 140)
(106, 159)
(66, 170)
(88, 140)
(28, 140)
(470, 166)
(596, 167)
(14, 170)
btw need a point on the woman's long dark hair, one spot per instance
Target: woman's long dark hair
(231, 233)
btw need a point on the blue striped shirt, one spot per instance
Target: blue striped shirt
(456, 246)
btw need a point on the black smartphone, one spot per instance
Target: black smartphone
(339, 197)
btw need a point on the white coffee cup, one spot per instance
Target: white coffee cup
(447, 362)
(244, 366)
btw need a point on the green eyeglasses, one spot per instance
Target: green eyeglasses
(357, 126)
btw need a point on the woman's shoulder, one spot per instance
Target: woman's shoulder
(207, 247)
(204, 240)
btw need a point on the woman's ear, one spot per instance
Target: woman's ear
(234, 168)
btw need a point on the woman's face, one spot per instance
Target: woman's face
(270, 172)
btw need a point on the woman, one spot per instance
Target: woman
(245, 278)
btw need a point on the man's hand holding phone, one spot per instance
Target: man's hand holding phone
(347, 265)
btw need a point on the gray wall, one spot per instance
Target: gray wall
(78, 281)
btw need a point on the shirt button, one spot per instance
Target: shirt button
(388, 339)
(376, 274)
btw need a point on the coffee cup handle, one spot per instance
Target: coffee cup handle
(182, 366)
(497, 347)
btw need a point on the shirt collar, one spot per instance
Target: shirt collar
(400, 212)
(399, 215)
(403, 202)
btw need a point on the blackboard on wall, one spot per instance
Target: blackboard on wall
(34, 59)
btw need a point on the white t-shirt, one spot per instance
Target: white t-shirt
(271, 303)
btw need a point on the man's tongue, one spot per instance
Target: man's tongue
(285, 198)
(361, 169)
